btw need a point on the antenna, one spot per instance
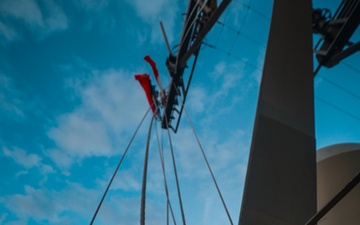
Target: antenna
(165, 37)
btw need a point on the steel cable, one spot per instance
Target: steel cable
(117, 168)
(175, 170)
(206, 161)
(161, 154)
(143, 189)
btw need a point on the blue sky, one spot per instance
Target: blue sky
(69, 105)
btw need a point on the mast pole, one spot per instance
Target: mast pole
(280, 185)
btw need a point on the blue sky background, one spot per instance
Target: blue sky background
(69, 105)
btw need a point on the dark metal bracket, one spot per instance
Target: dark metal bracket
(200, 18)
(336, 33)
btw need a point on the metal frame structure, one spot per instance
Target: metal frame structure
(200, 18)
(336, 33)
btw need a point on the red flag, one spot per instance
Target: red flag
(145, 82)
(148, 59)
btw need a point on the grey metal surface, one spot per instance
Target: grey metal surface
(280, 185)
(333, 150)
(337, 165)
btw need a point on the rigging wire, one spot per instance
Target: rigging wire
(185, 32)
(344, 90)
(117, 168)
(194, 20)
(206, 161)
(252, 9)
(221, 29)
(241, 26)
(238, 33)
(261, 45)
(188, 30)
(187, 21)
(175, 170)
(340, 87)
(208, 165)
(168, 203)
(162, 157)
(233, 56)
(352, 67)
(338, 108)
(143, 189)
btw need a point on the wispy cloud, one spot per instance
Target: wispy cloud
(98, 15)
(227, 157)
(198, 96)
(229, 87)
(260, 64)
(21, 157)
(25, 10)
(3, 217)
(78, 134)
(227, 150)
(90, 5)
(54, 17)
(61, 159)
(92, 129)
(112, 103)
(229, 76)
(58, 207)
(54, 207)
(8, 32)
(155, 11)
(10, 99)
(27, 161)
(41, 21)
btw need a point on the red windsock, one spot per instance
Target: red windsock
(148, 59)
(145, 82)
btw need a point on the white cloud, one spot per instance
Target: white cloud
(22, 172)
(46, 206)
(111, 107)
(155, 11)
(98, 15)
(21, 157)
(221, 152)
(46, 169)
(126, 181)
(229, 86)
(188, 154)
(198, 97)
(259, 63)
(229, 77)
(55, 18)
(3, 217)
(227, 157)
(61, 159)
(27, 161)
(41, 21)
(8, 32)
(80, 135)
(25, 10)
(92, 4)
(43, 205)
(10, 98)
